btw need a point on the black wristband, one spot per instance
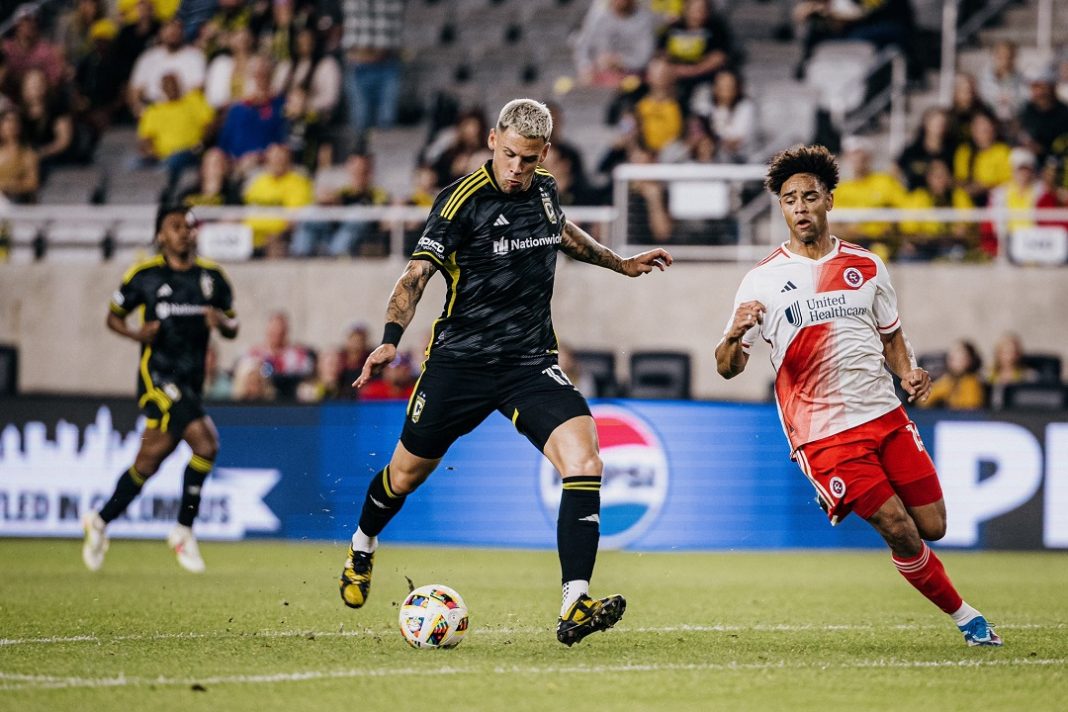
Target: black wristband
(392, 334)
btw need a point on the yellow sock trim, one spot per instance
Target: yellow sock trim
(136, 476)
(201, 464)
(385, 482)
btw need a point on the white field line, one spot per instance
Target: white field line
(14, 681)
(371, 632)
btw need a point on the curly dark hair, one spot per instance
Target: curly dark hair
(816, 160)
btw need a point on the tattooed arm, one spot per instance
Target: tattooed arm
(399, 313)
(580, 245)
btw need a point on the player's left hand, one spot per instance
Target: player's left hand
(917, 383)
(646, 262)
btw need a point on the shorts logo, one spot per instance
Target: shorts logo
(838, 487)
(634, 484)
(853, 277)
(207, 285)
(173, 392)
(118, 298)
(417, 407)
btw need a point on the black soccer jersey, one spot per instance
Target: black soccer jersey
(179, 300)
(497, 252)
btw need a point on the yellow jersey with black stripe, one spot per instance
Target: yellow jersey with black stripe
(179, 300)
(497, 253)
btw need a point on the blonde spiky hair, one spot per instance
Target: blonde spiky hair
(528, 118)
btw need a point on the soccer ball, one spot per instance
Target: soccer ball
(433, 616)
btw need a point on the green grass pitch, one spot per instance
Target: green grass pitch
(265, 628)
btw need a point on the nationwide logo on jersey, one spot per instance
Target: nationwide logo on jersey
(853, 277)
(164, 291)
(793, 314)
(635, 480)
(207, 285)
(547, 203)
(500, 247)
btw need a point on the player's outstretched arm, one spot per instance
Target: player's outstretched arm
(399, 313)
(731, 358)
(145, 335)
(902, 361)
(580, 245)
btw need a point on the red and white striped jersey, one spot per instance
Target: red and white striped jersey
(823, 322)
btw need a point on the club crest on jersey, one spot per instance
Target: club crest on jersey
(207, 285)
(417, 407)
(838, 487)
(793, 314)
(853, 277)
(547, 203)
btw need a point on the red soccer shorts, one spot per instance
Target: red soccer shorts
(858, 469)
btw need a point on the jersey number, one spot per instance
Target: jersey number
(557, 374)
(911, 427)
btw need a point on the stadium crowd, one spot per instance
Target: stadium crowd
(271, 102)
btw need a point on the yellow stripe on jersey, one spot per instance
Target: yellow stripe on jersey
(156, 261)
(431, 255)
(541, 171)
(116, 309)
(515, 416)
(452, 272)
(464, 191)
(207, 264)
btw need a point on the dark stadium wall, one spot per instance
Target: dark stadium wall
(55, 314)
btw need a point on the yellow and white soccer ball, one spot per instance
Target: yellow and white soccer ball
(433, 616)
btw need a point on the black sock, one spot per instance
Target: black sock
(578, 528)
(195, 473)
(128, 487)
(380, 504)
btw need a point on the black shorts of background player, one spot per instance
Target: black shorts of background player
(494, 235)
(184, 297)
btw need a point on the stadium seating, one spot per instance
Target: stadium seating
(1047, 366)
(1037, 396)
(601, 366)
(660, 375)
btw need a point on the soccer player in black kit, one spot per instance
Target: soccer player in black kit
(494, 236)
(184, 297)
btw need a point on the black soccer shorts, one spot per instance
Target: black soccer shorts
(170, 407)
(450, 400)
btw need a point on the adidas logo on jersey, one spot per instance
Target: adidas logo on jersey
(788, 286)
(164, 291)
(501, 221)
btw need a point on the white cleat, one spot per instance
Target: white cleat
(183, 542)
(96, 541)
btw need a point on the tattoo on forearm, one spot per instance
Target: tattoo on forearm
(408, 291)
(580, 245)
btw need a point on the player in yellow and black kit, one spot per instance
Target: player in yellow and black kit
(183, 297)
(494, 235)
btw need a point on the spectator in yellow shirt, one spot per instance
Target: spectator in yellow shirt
(659, 112)
(172, 131)
(961, 387)
(983, 162)
(866, 188)
(935, 238)
(1021, 192)
(281, 186)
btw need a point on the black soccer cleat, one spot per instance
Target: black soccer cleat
(588, 615)
(355, 581)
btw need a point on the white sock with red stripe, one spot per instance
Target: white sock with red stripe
(965, 614)
(926, 573)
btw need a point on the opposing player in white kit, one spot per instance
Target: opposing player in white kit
(829, 313)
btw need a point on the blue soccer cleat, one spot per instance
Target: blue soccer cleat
(978, 632)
